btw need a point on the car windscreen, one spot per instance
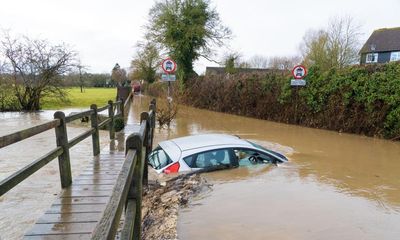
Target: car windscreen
(159, 159)
(267, 150)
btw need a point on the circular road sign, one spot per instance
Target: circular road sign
(299, 72)
(168, 65)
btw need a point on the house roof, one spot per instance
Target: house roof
(383, 40)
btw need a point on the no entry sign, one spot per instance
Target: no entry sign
(168, 65)
(299, 72)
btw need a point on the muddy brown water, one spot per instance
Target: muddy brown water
(336, 186)
(24, 204)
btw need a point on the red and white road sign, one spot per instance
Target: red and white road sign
(299, 72)
(168, 65)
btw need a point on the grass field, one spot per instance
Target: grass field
(99, 96)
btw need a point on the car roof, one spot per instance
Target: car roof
(175, 147)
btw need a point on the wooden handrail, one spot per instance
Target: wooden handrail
(128, 191)
(63, 143)
(80, 137)
(108, 224)
(128, 100)
(130, 214)
(104, 123)
(17, 177)
(102, 108)
(75, 116)
(117, 103)
(129, 186)
(27, 133)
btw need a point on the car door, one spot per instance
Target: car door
(247, 156)
(210, 159)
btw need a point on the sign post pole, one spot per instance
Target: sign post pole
(298, 72)
(169, 86)
(169, 67)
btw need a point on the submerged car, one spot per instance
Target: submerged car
(207, 151)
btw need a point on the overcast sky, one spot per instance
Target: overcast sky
(105, 32)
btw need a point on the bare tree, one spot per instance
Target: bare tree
(145, 63)
(314, 48)
(118, 75)
(258, 61)
(36, 68)
(81, 71)
(343, 41)
(337, 46)
(284, 63)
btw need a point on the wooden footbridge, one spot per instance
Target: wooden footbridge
(91, 205)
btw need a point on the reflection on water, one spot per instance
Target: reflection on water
(23, 205)
(336, 186)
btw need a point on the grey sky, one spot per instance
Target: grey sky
(105, 32)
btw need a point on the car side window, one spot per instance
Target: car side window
(159, 159)
(248, 156)
(208, 159)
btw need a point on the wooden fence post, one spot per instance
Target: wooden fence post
(144, 116)
(64, 159)
(121, 109)
(95, 135)
(111, 116)
(134, 141)
(153, 107)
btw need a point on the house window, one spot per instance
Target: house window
(395, 56)
(372, 58)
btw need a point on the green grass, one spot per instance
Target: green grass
(99, 96)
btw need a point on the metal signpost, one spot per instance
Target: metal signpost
(169, 67)
(298, 72)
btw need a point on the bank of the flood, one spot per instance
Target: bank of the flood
(336, 185)
(162, 201)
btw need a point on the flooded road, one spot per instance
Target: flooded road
(336, 186)
(23, 205)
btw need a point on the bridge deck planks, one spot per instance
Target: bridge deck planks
(78, 208)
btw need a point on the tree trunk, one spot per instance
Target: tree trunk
(33, 101)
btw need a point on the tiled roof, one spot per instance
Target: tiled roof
(383, 40)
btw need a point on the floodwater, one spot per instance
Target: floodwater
(336, 186)
(24, 204)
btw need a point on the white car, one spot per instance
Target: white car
(208, 151)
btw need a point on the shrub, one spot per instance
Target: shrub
(119, 124)
(356, 99)
(8, 100)
(166, 113)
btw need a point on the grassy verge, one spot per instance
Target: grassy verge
(99, 96)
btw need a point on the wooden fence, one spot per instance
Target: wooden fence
(127, 192)
(59, 123)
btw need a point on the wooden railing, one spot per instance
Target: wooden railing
(59, 123)
(127, 192)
